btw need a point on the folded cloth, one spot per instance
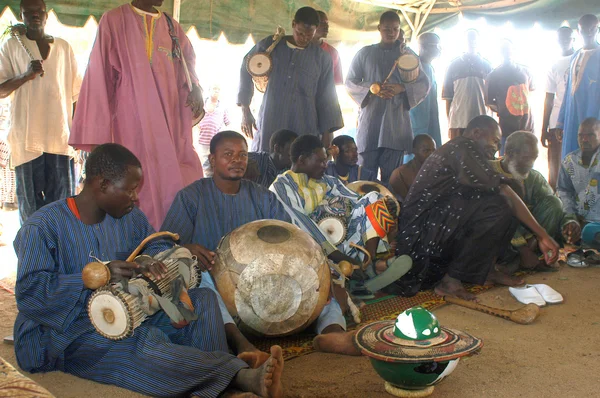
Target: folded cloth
(549, 295)
(527, 295)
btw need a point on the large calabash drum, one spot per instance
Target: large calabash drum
(259, 66)
(115, 311)
(273, 276)
(408, 65)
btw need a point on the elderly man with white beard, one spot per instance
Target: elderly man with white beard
(520, 153)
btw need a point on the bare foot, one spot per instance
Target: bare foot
(264, 381)
(499, 278)
(380, 266)
(231, 393)
(449, 286)
(254, 358)
(529, 259)
(336, 343)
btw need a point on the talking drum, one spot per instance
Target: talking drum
(273, 276)
(259, 66)
(116, 310)
(408, 65)
(334, 228)
(414, 353)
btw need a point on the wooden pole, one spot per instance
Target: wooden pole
(176, 9)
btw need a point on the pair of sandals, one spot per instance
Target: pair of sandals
(583, 259)
(538, 294)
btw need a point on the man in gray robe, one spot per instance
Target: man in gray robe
(384, 132)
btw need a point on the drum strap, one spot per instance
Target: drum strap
(176, 50)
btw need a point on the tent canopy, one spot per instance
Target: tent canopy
(349, 19)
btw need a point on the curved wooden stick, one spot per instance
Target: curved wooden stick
(148, 239)
(367, 259)
(524, 315)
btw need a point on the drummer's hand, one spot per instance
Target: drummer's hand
(393, 89)
(206, 258)
(549, 247)
(151, 268)
(248, 122)
(122, 270)
(195, 100)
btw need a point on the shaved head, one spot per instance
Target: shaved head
(588, 29)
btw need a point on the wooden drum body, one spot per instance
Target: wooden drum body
(273, 276)
(408, 65)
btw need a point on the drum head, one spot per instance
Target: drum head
(109, 314)
(333, 228)
(364, 187)
(408, 61)
(259, 64)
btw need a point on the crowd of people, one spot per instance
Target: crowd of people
(459, 213)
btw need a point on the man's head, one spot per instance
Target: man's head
(113, 174)
(228, 156)
(215, 92)
(423, 145)
(348, 155)
(389, 27)
(304, 26)
(472, 41)
(147, 4)
(588, 136)
(566, 38)
(485, 131)
(309, 156)
(34, 14)
(507, 50)
(588, 29)
(280, 146)
(520, 153)
(429, 47)
(323, 28)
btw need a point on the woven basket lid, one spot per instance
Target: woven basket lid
(377, 340)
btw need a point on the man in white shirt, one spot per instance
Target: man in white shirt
(39, 73)
(556, 83)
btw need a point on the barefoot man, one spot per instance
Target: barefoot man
(208, 209)
(53, 330)
(459, 216)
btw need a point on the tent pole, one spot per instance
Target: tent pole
(176, 9)
(427, 12)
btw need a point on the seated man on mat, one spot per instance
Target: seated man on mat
(459, 216)
(345, 164)
(578, 180)
(210, 208)
(520, 153)
(403, 177)
(53, 330)
(308, 195)
(264, 167)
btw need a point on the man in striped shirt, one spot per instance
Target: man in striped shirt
(264, 167)
(215, 118)
(210, 208)
(53, 330)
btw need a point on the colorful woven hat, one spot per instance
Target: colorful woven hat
(415, 336)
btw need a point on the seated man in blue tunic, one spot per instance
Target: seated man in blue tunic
(345, 164)
(210, 208)
(264, 167)
(53, 330)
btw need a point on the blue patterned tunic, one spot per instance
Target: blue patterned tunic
(53, 330)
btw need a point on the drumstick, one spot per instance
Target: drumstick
(524, 315)
(367, 259)
(97, 274)
(148, 239)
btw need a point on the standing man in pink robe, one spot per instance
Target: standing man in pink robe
(136, 93)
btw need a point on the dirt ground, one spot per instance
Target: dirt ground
(556, 356)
